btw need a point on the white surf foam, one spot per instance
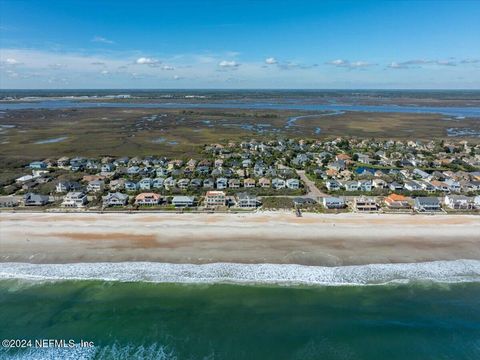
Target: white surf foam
(437, 271)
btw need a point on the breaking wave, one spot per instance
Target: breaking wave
(114, 351)
(280, 274)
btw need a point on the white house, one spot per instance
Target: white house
(115, 199)
(333, 202)
(215, 198)
(75, 199)
(412, 186)
(183, 201)
(95, 186)
(459, 202)
(332, 185)
(278, 183)
(245, 200)
(351, 185)
(293, 184)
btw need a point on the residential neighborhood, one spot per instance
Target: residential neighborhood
(341, 174)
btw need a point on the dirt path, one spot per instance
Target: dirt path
(312, 190)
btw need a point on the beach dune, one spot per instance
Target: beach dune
(269, 237)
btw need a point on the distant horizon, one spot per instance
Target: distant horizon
(239, 89)
(286, 44)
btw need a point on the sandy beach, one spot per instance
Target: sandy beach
(271, 237)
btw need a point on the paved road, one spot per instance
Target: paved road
(312, 190)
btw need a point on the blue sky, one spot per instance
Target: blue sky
(239, 44)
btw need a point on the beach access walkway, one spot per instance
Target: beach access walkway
(312, 190)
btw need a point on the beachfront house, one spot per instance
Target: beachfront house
(215, 198)
(9, 201)
(115, 199)
(476, 202)
(459, 202)
(75, 199)
(147, 199)
(395, 201)
(427, 204)
(333, 202)
(245, 200)
(31, 199)
(365, 204)
(183, 201)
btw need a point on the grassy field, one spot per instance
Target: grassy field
(39, 134)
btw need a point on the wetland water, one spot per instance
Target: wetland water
(458, 112)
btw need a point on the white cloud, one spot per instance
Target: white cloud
(11, 74)
(270, 61)
(396, 65)
(228, 64)
(167, 67)
(350, 64)
(417, 63)
(338, 62)
(11, 61)
(147, 61)
(446, 62)
(176, 77)
(57, 66)
(470, 61)
(101, 39)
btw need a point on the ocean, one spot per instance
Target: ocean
(421, 318)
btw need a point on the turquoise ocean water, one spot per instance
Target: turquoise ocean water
(141, 320)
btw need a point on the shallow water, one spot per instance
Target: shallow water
(286, 105)
(420, 320)
(52, 141)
